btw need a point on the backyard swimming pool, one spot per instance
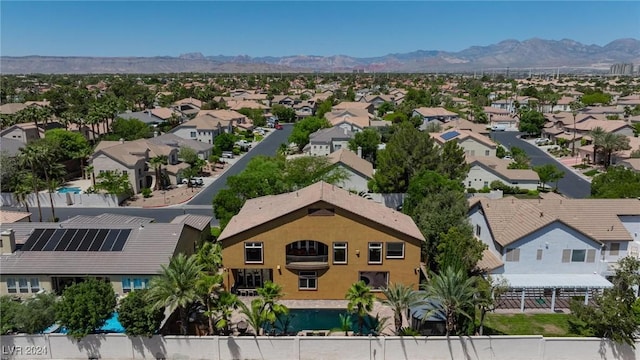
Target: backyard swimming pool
(317, 319)
(71, 189)
(112, 325)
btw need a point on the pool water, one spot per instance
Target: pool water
(317, 319)
(74, 190)
(112, 325)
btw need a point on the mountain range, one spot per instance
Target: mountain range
(533, 53)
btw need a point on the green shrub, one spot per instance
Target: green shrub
(592, 172)
(485, 190)
(236, 151)
(581, 166)
(146, 192)
(471, 190)
(215, 232)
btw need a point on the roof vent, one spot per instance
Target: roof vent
(141, 227)
(541, 214)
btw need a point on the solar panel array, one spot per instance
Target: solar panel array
(77, 240)
(449, 135)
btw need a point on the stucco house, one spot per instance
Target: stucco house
(325, 141)
(351, 119)
(553, 248)
(123, 250)
(473, 143)
(484, 170)
(434, 114)
(359, 171)
(210, 123)
(316, 242)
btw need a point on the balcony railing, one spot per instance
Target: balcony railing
(307, 262)
(307, 258)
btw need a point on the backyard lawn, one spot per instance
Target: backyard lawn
(527, 324)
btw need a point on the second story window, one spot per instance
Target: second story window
(253, 252)
(340, 253)
(513, 255)
(375, 253)
(395, 250)
(193, 134)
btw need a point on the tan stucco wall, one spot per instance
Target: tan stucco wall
(105, 163)
(45, 283)
(475, 148)
(343, 227)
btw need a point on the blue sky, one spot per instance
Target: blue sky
(266, 28)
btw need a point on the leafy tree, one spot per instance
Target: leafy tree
(400, 298)
(307, 170)
(224, 141)
(368, 140)
(385, 107)
(85, 306)
(175, 287)
(500, 151)
(408, 152)
(618, 182)
(137, 316)
(209, 256)
(256, 116)
(426, 183)
(520, 159)
(69, 143)
(188, 155)
(156, 162)
(9, 309)
(453, 291)
(596, 98)
(548, 173)
(129, 129)
(459, 249)
(305, 127)
(488, 291)
(324, 107)
(12, 175)
(531, 122)
(113, 183)
(396, 117)
(613, 315)
(452, 162)
(361, 301)
(283, 113)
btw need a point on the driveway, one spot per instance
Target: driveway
(571, 185)
(268, 147)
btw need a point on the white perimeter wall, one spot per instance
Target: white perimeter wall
(117, 346)
(63, 200)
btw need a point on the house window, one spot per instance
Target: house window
(35, 285)
(578, 255)
(253, 252)
(340, 253)
(307, 280)
(139, 283)
(126, 285)
(486, 184)
(124, 172)
(23, 285)
(478, 230)
(395, 250)
(375, 253)
(513, 255)
(376, 280)
(539, 254)
(11, 286)
(193, 134)
(139, 171)
(486, 153)
(614, 249)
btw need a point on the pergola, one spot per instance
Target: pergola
(524, 282)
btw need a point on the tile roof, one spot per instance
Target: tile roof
(352, 160)
(358, 117)
(108, 218)
(511, 219)
(462, 136)
(199, 222)
(7, 217)
(351, 105)
(261, 210)
(489, 261)
(434, 111)
(501, 168)
(11, 108)
(176, 141)
(146, 249)
(326, 136)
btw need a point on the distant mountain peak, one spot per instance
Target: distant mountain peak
(192, 56)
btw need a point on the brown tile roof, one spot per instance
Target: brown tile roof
(7, 217)
(226, 115)
(352, 160)
(464, 134)
(261, 210)
(489, 261)
(108, 218)
(130, 152)
(607, 125)
(501, 168)
(348, 105)
(164, 113)
(249, 104)
(189, 101)
(357, 117)
(434, 111)
(11, 108)
(511, 219)
(198, 222)
(146, 249)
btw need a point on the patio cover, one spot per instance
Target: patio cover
(556, 281)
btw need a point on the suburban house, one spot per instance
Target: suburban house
(434, 115)
(553, 248)
(8, 217)
(513, 103)
(316, 242)
(359, 171)
(10, 147)
(562, 104)
(473, 143)
(153, 116)
(630, 101)
(586, 152)
(209, 124)
(132, 157)
(247, 104)
(377, 100)
(188, 107)
(172, 140)
(304, 109)
(51, 256)
(352, 119)
(354, 105)
(485, 169)
(284, 100)
(28, 132)
(632, 164)
(12, 108)
(325, 141)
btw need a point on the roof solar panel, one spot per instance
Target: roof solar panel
(33, 238)
(66, 240)
(110, 240)
(86, 242)
(44, 239)
(97, 243)
(54, 240)
(449, 135)
(77, 240)
(121, 240)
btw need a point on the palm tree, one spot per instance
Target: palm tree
(224, 307)
(255, 313)
(28, 158)
(52, 185)
(597, 133)
(576, 106)
(265, 309)
(82, 154)
(454, 292)
(209, 256)
(400, 298)
(271, 292)
(157, 163)
(21, 192)
(361, 301)
(209, 288)
(89, 172)
(175, 287)
(612, 143)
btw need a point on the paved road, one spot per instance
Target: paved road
(571, 185)
(200, 204)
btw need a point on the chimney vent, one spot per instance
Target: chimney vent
(7, 242)
(359, 151)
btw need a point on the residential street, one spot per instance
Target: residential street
(571, 185)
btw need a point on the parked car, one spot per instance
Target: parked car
(499, 127)
(279, 127)
(227, 154)
(196, 181)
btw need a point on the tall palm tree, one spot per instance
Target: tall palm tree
(21, 192)
(454, 293)
(575, 106)
(400, 298)
(255, 314)
(89, 172)
(52, 185)
(611, 143)
(597, 134)
(175, 287)
(209, 288)
(265, 309)
(157, 163)
(361, 301)
(209, 256)
(28, 158)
